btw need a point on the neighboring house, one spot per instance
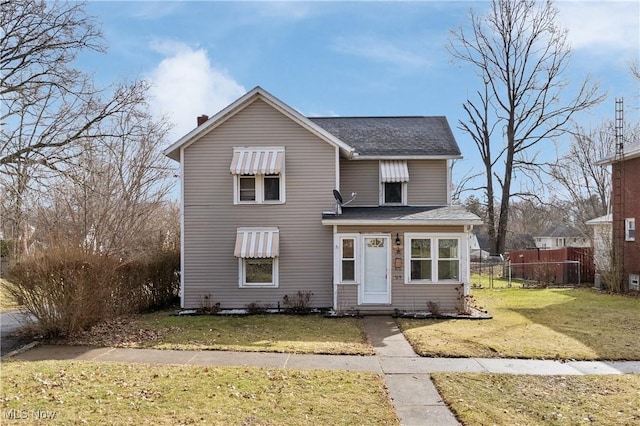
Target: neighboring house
(625, 201)
(260, 221)
(562, 236)
(477, 253)
(602, 238)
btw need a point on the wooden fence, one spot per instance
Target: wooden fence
(568, 265)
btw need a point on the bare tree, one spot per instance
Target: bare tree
(520, 55)
(585, 184)
(50, 111)
(107, 202)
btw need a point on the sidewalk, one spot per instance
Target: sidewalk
(406, 375)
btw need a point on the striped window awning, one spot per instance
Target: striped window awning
(257, 242)
(394, 171)
(257, 161)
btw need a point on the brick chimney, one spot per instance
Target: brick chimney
(202, 118)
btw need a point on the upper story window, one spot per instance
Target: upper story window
(630, 229)
(394, 176)
(258, 175)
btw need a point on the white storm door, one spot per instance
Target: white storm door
(375, 283)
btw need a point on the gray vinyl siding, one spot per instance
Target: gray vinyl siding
(404, 297)
(362, 177)
(211, 219)
(427, 183)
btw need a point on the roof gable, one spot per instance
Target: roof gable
(173, 151)
(394, 136)
(562, 231)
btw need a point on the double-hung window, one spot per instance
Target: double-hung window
(257, 251)
(394, 176)
(431, 259)
(347, 258)
(258, 175)
(630, 229)
(421, 261)
(448, 259)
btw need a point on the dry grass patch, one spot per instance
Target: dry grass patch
(481, 399)
(113, 393)
(265, 333)
(551, 324)
(7, 301)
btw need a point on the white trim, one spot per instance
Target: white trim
(242, 102)
(405, 157)
(259, 190)
(399, 222)
(403, 195)
(182, 230)
(337, 258)
(337, 171)
(449, 181)
(335, 287)
(361, 287)
(463, 256)
(629, 224)
(242, 273)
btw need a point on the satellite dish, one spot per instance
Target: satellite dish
(337, 196)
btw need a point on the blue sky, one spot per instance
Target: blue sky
(339, 58)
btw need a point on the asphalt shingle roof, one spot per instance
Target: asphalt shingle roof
(562, 231)
(393, 136)
(406, 214)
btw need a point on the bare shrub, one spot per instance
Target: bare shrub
(544, 274)
(298, 303)
(256, 308)
(207, 306)
(434, 307)
(68, 290)
(65, 289)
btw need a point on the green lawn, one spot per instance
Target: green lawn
(501, 399)
(550, 323)
(265, 333)
(113, 393)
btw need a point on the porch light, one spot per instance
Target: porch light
(398, 239)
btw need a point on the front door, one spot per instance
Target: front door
(375, 285)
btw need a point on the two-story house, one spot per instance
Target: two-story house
(261, 219)
(625, 201)
(561, 236)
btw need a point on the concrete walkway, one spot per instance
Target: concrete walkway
(10, 322)
(406, 375)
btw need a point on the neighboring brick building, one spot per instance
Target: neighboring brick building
(626, 212)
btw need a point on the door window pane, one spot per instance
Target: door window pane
(348, 270)
(348, 260)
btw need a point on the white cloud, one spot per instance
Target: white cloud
(602, 26)
(186, 85)
(379, 50)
